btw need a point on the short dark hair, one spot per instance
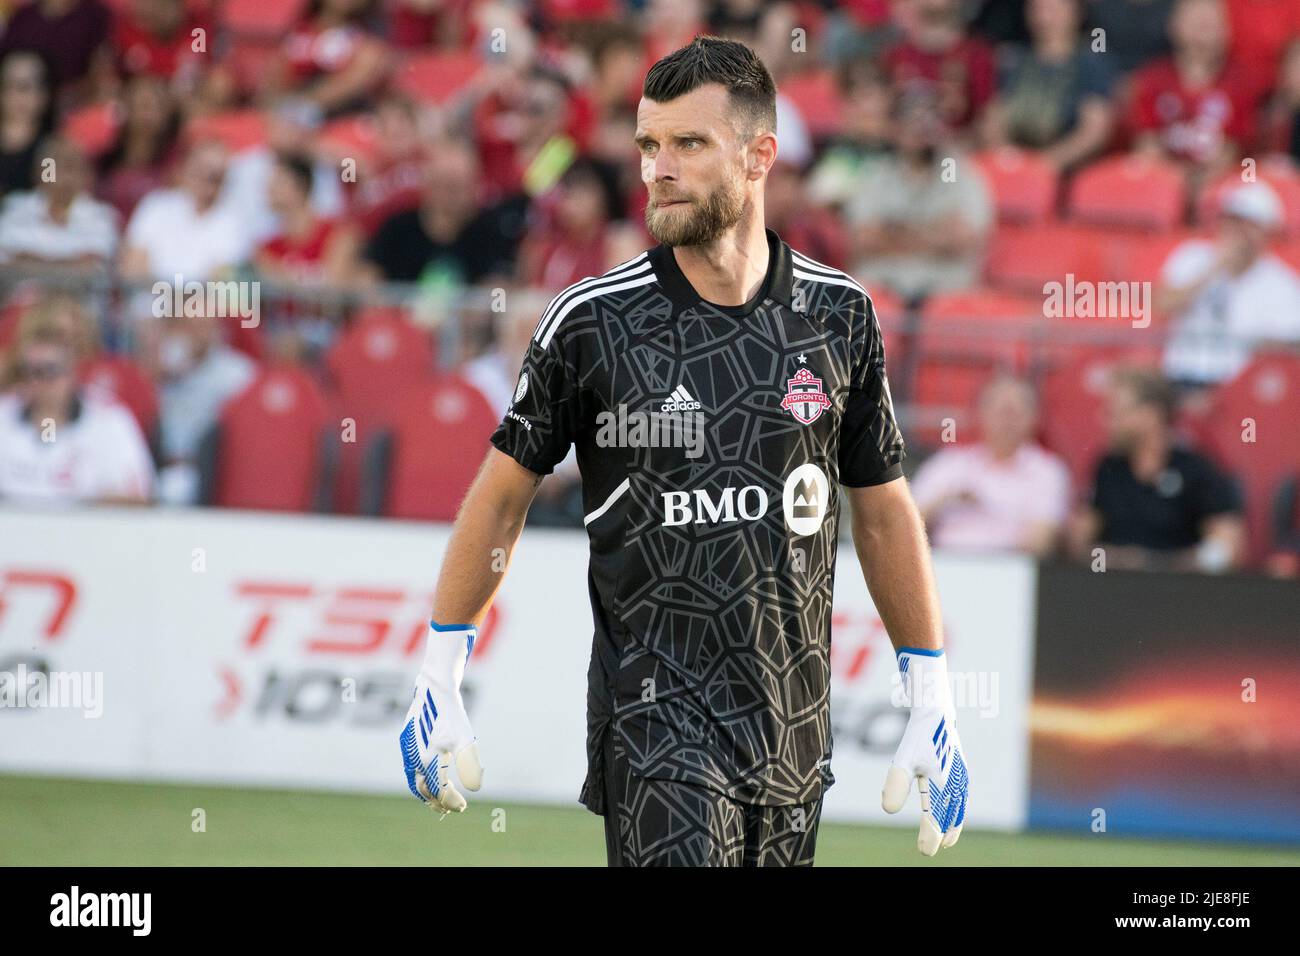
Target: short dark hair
(300, 168)
(1150, 389)
(709, 59)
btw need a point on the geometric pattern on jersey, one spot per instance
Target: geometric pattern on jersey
(663, 823)
(712, 567)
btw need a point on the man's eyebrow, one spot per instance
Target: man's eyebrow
(684, 134)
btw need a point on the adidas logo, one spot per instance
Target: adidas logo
(680, 401)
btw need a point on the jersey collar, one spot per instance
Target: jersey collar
(778, 285)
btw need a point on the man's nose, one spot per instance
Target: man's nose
(663, 168)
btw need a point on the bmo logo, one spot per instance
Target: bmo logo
(804, 499)
(699, 507)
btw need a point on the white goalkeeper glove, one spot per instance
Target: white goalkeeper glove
(437, 728)
(930, 751)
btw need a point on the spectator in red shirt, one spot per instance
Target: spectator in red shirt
(937, 58)
(310, 250)
(331, 58)
(145, 148)
(1194, 107)
(308, 262)
(522, 134)
(157, 37)
(394, 175)
(575, 244)
(1260, 32)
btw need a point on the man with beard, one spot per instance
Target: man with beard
(1155, 504)
(712, 561)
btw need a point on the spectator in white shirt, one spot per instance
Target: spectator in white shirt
(59, 445)
(185, 231)
(1004, 493)
(1227, 297)
(58, 226)
(199, 373)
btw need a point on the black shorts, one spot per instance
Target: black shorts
(665, 823)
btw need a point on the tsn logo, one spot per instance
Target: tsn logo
(314, 654)
(748, 503)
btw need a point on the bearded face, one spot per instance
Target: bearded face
(676, 218)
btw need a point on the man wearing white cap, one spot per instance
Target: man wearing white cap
(1230, 295)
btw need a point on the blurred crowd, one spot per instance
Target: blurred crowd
(450, 164)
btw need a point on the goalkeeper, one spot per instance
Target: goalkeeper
(712, 564)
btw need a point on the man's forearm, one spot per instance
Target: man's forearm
(482, 541)
(895, 559)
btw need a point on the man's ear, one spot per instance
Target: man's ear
(762, 151)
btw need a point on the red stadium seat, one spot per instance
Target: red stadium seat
(1131, 192)
(118, 376)
(373, 366)
(962, 339)
(817, 97)
(1024, 258)
(1073, 406)
(1118, 307)
(436, 445)
(1267, 393)
(1140, 257)
(272, 449)
(1113, 256)
(982, 305)
(436, 77)
(1282, 177)
(237, 129)
(261, 18)
(92, 128)
(1023, 184)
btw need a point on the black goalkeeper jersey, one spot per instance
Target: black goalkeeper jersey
(711, 442)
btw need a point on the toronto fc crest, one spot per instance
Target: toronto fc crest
(804, 398)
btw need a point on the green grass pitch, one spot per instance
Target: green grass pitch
(98, 823)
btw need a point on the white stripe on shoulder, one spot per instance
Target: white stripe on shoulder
(814, 271)
(623, 268)
(639, 265)
(592, 292)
